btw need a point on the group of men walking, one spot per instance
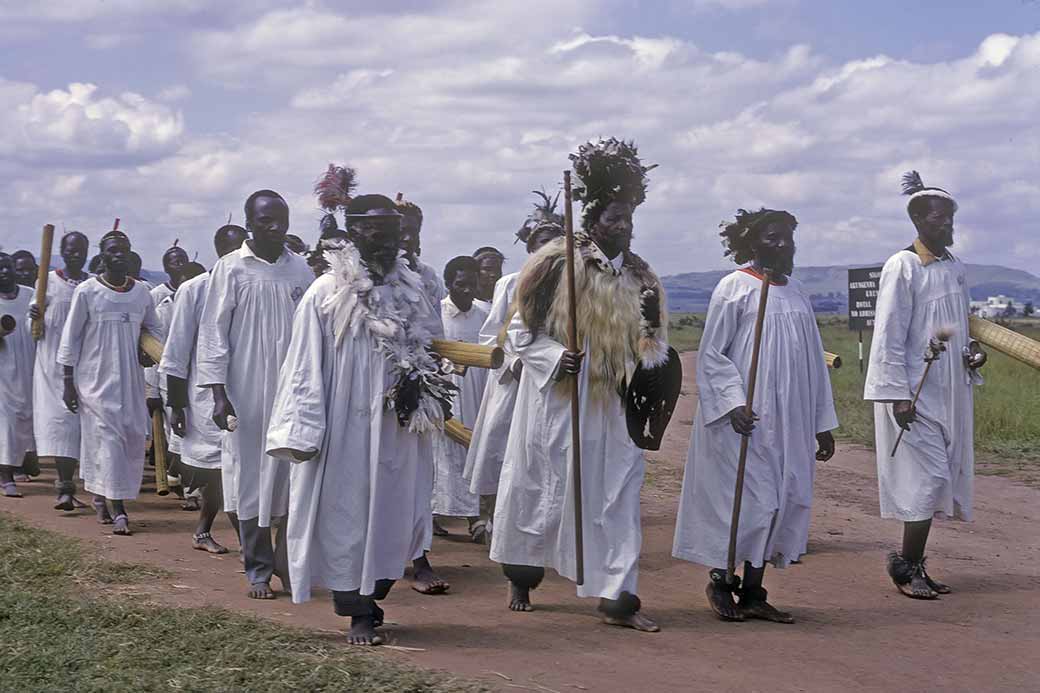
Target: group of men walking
(303, 396)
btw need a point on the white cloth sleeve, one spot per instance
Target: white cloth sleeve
(541, 355)
(720, 384)
(214, 344)
(72, 334)
(887, 376)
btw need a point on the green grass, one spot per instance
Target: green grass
(69, 622)
(1007, 407)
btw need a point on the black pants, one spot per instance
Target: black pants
(353, 603)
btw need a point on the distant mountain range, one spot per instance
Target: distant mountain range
(828, 286)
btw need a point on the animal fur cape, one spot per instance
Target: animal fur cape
(609, 310)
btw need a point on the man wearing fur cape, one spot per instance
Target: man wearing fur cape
(621, 325)
(358, 398)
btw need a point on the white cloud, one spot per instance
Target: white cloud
(173, 93)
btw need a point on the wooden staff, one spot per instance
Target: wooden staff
(935, 347)
(833, 360)
(152, 347)
(162, 487)
(41, 279)
(468, 354)
(738, 492)
(455, 431)
(572, 345)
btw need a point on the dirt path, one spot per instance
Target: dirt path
(854, 631)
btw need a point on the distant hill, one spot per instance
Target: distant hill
(828, 286)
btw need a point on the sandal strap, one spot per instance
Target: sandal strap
(201, 536)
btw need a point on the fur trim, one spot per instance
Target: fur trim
(609, 310)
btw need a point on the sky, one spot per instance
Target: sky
(168, 113)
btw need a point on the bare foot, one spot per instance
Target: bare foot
(22, 478)
(205, 542)
(190, 504)
(637, 621)
(721, 601)
(101, 510)
(478, 532)
(764, 611)
(918, 587)
(519, 598)
(121, 525)
(260, 590)
(424, 580)
(438, 531)
(11, 491)
(363, 631)
(65, 502)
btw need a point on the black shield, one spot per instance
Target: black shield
(650, 401)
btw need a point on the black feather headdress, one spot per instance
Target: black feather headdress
(335, 187)
(544, 214)
(915, 188)
(608, 170)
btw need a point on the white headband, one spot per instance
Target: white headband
(932, 192)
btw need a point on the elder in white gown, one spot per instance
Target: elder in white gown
(360, 496)
(17, 353)
(451, 494)
(794, 403)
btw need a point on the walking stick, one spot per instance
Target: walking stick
(936, 346)
(738, 493)
(162, 486)
(41, 279)
(572, 345)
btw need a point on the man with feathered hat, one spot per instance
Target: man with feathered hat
(358, 400)
(621, 326)
(923, 301)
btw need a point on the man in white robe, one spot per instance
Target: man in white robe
(17, 353)
(191, 405)
(462, 317)
(794, 403)
(243, 337)
(923, 295)
(56, 428)
(621, 326)
(424, 579)
(359, 491)
(104, 379)
(491, 430)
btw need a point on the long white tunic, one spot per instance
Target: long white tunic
(201, 445)
(56, 428)
(793, 401)
(155, 385)
(451, 494)
(243, 337)
(151, 374)
(17, 353)
(100, 341)
(932, 473)
(491, 430)
(534, 513)
(359, 510)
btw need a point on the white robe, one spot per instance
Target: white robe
(17, 354)
(451, 494)
(433, 285)
(793, 401)
(243, 337)
(491, 430)
(932, 473)
(360, 509)
(155, 384)
(56, 428)
(201, 444)
(151, 374)
(100, 341)
(534, 512)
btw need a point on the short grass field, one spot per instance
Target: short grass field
(69, 622)
(1007, 407)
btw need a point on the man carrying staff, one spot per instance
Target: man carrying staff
(424, 579)
(359, 397)
(491, 430)
(922, 295)
(17, 352)
(104, 381)
(462, 317)
(55, 427)
(793, 401)
(621, 324)
(244, 333)
(191, 406)
(490, 261)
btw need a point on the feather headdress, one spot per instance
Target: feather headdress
(544, 214)
(608, 170)
(335, 186)
(915, 188)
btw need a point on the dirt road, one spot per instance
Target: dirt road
(854, 631)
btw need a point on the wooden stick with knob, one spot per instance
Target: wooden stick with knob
(41, 279)
(572, 345)
(738, 492)
(936, 346)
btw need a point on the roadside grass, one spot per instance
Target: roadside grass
(71, 622)
(1007, 407)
